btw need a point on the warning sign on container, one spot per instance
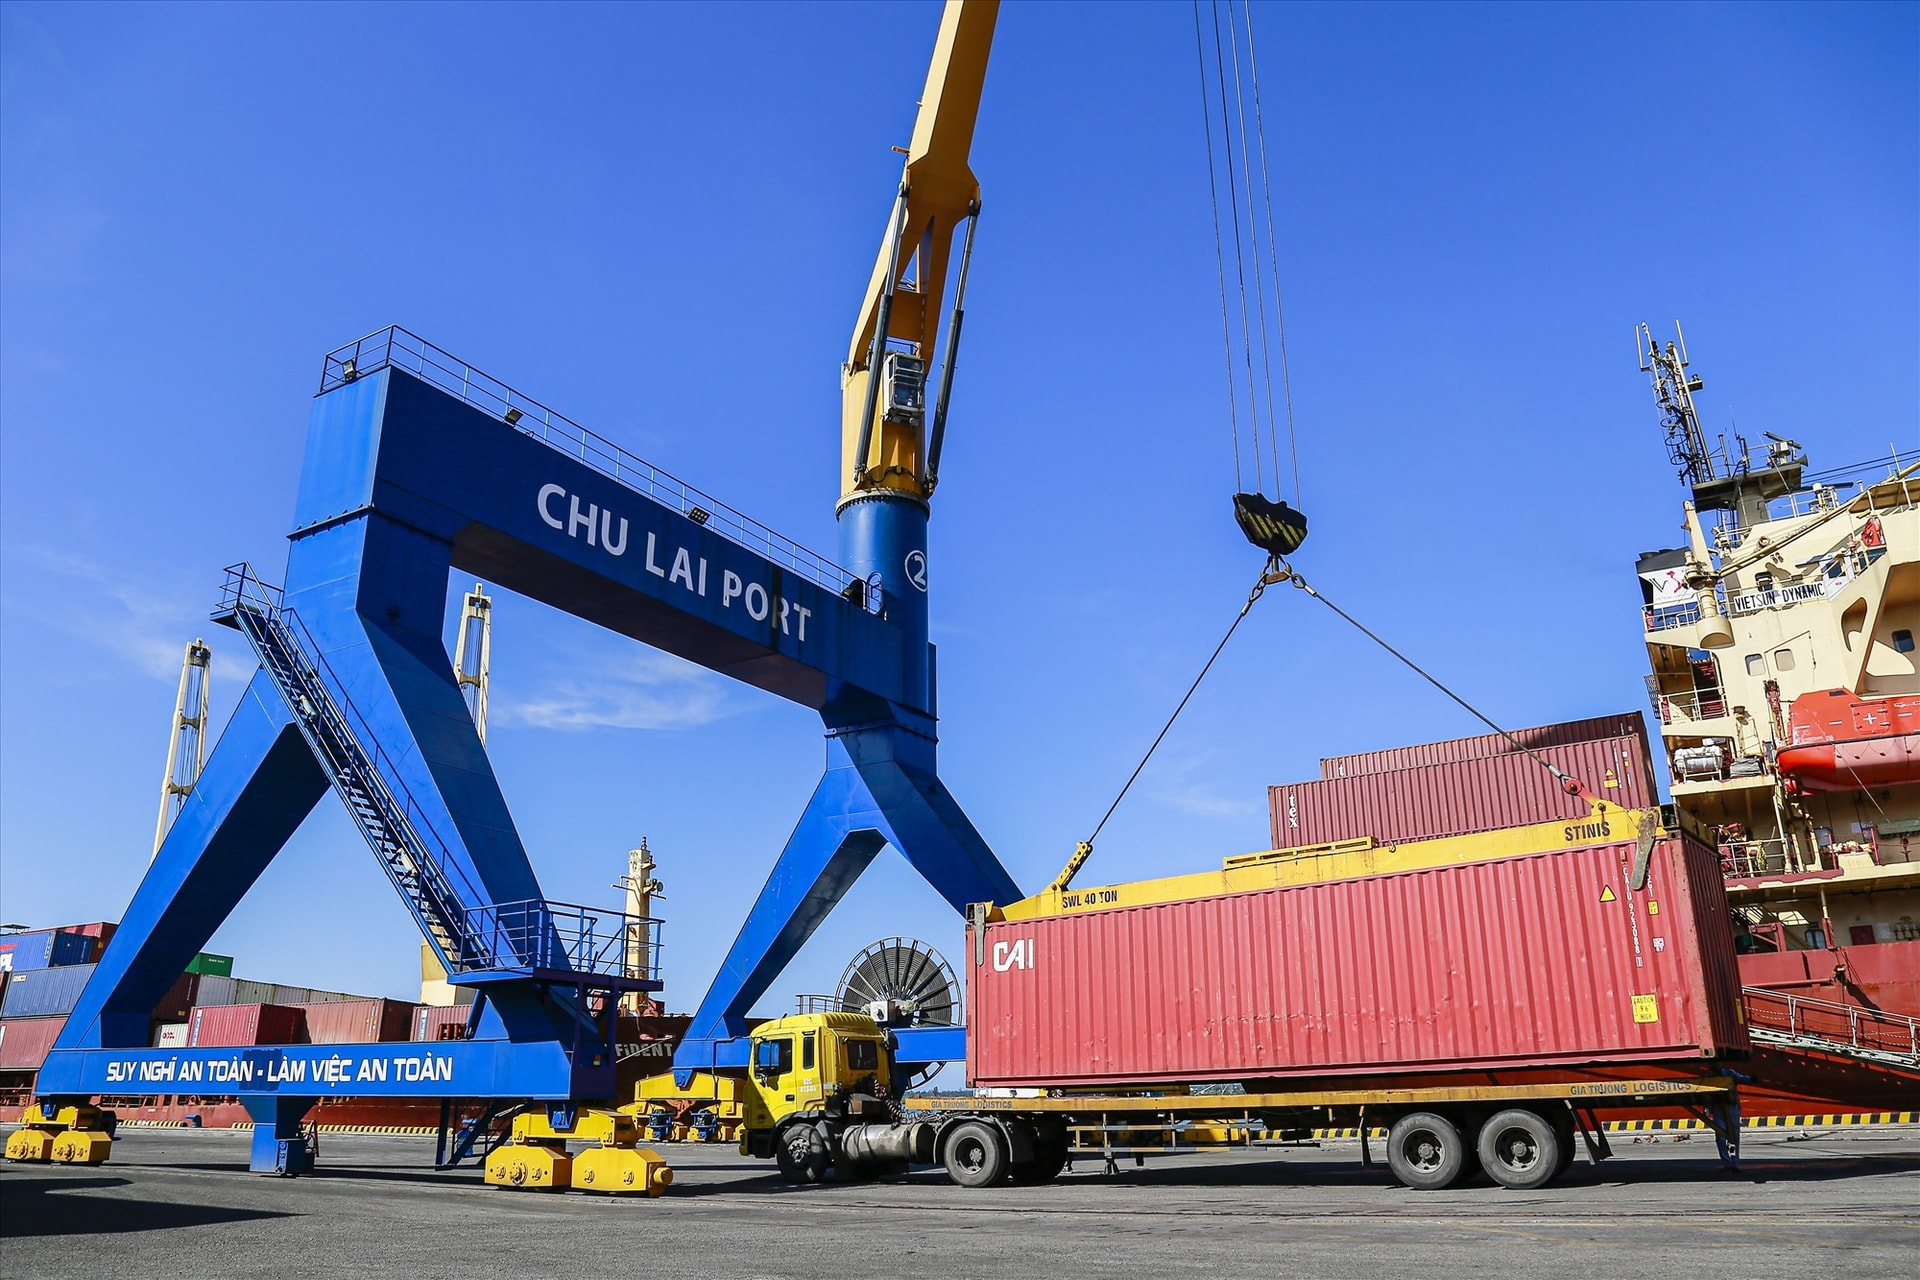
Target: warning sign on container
(1606, 893)
(1646, 1009)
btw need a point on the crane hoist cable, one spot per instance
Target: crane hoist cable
(1250, 209)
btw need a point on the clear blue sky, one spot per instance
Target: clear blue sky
(659, 220)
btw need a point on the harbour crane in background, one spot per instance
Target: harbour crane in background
(187, 742)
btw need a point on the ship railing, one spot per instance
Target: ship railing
(1687, 706)
(1864, 1031)
(396, 348)
(1667, 617)
(1752, 859)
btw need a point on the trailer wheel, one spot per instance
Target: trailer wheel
(1049, 1158)
(1520, 1150)
(801, 1153)
(1425, 1151)
(1565, 1130)
(976, 1154)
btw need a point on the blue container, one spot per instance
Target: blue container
(46, 993)
(44, 949)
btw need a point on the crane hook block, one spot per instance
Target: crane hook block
(1274, 527)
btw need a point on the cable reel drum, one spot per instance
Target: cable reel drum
(902, 982)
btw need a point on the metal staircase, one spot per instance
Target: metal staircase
(1853, 1031)
(471, 933)
(390, 821)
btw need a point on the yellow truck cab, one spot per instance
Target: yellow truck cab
(811, 1079)
(822, 1096)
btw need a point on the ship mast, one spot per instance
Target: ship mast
(1673, 389)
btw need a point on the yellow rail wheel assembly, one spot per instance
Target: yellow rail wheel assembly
(622, 1171)
(530, 1166)
(82, 1146)
(30, 1145)
(71, 1135)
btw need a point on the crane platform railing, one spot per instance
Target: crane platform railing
(394, 347)
(472, 934)
(1782, 1017)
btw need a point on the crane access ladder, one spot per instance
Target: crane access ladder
(1827, 1026)
(471, 933)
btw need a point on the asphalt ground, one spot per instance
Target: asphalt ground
(1843, 1203)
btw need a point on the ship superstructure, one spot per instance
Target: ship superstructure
(1786, 686)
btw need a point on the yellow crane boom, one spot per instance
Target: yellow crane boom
(890, 436)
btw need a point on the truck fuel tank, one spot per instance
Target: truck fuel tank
(888, 1143)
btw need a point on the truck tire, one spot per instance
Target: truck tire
(1049, 1158)
(1425, 1151)
(1520, 1149)
(801, 1153)
(976, 1154)
(1563, 1128)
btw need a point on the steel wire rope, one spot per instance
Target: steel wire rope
(1301, 583)
(1253, 235)
(1273, 264)
(1260, 585)
(1239, 253)
(1219, 259)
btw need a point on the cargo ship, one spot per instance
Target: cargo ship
(1784, 678)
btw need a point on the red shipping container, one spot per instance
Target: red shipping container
(101, 930)
(230, 1026)
(357, 1021)
(178, 1003)
(441, 1021)
(1460, 798)
(1485, 746)
(1543, 960)
(24, 1042)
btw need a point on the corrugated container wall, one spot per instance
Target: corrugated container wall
(46, 993)
(24, 1042)
(1460, 798)
(45, 949)
(247, 991)
(441, 1022)
(1630, 724)
(217, 989)
(1536, 961)
(237, 1025)
(357, 1021)
(171, 1035)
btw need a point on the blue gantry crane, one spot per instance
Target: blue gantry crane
(416, 465)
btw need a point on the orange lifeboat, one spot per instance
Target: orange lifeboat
(1841, 742)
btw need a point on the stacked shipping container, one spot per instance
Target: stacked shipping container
(357, 1021)
(1463, 786)
(45, 949)
(1485, 746)
(236, 1025)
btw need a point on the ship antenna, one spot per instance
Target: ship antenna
(1673, 389)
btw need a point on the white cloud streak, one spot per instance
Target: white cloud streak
(639, 690)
